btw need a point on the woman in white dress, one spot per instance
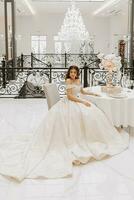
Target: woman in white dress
(73, 132)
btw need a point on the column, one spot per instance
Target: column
(10, 42)
(131, 46)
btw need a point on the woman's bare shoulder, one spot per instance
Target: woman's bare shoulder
(68, 81)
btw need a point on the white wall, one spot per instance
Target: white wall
(118, 29)
(40, 24)
(49, 25)
(100, 27)
(103, 28)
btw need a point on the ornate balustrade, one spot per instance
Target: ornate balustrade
(27, 79)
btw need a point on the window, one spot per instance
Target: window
(61, 46)
(58, 45)
(58, 51)
(38, 44)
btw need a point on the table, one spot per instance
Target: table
(119, 110)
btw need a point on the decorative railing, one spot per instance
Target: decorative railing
(57, 60)
(24, 82)
(29, 82)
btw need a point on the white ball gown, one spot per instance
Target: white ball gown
(70, 132)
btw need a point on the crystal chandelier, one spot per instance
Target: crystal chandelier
(73, 27)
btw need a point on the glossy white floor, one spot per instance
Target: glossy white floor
(94, 181)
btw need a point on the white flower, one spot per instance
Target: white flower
(110, 62)
(110, 57)
(101, 66)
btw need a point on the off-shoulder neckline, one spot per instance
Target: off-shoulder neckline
(73, 84)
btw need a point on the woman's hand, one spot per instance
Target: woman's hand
(89, 93)
(97, 95)
(86, 103)
(94, 94)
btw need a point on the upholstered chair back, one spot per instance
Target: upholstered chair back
(52, 94)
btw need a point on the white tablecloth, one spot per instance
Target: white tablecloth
(119, 110)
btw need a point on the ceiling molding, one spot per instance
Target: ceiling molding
(30, 6)
(112, 7)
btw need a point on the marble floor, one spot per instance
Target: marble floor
(95, 181)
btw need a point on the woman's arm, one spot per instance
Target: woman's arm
(71, 97)
(88, 93)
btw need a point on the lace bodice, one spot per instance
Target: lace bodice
(75, 88)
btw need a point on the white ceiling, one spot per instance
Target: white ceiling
(60, 6)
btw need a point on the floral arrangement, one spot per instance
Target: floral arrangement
(110, 62)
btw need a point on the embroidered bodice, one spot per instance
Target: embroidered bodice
(75, 88)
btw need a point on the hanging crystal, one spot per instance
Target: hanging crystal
(73, 27)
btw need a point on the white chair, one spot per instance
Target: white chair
(52, 94)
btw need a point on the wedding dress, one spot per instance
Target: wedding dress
(70, 132)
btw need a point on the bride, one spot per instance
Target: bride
(74, 131)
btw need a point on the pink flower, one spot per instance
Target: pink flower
(110, 62)
(108, 65)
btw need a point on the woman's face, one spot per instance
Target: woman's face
(73, 74)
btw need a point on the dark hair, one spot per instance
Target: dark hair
(70, 68)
